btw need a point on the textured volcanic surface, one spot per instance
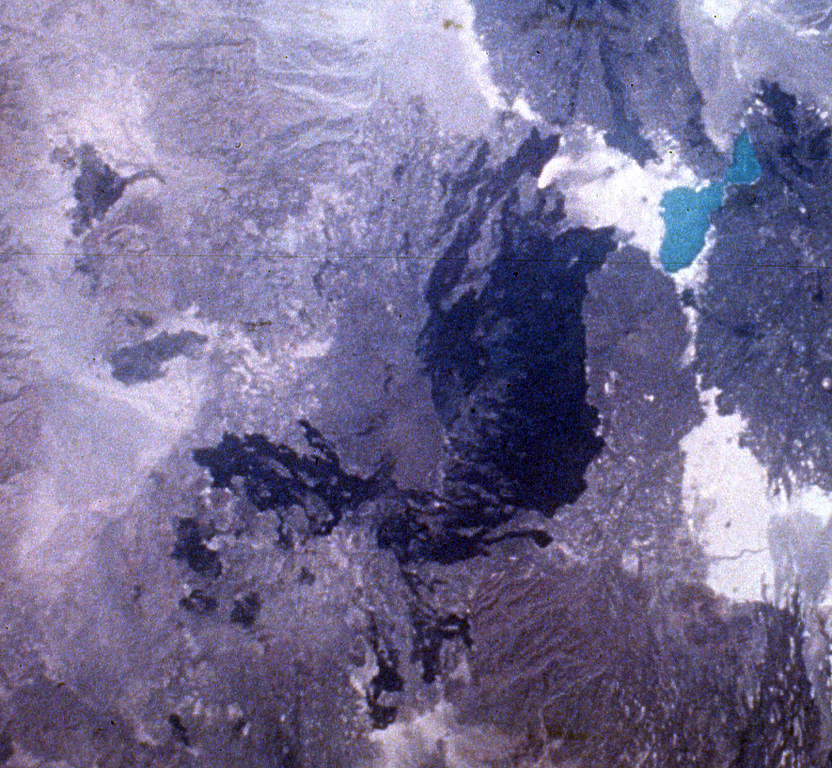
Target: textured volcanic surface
(349, 418)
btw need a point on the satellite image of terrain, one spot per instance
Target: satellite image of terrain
(415, 384)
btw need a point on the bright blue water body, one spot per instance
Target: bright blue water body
(744, 169)
(686, 211)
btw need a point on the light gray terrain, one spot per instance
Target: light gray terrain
(332, 436)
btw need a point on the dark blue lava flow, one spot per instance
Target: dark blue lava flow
(686, 211)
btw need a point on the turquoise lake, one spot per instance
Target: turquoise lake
(686, 211)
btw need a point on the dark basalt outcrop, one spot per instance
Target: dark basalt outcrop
(430, 633)
(421, 527)
(96, 189)
(190, 546)
(504, 343)
(504, 347)
(385, 683)
(199, 602)
(143, 361)
(277, 478)
(6, 748)
(508, 369)
(178, 730)
(246, 610)
(471, 195)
